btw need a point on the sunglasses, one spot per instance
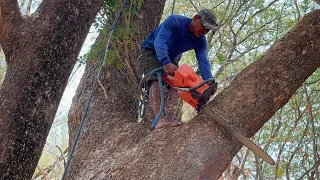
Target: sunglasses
(204, 30)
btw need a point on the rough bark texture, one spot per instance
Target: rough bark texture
(40, 52)
(108, 115)
(114, 146)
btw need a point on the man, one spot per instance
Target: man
(164, 46)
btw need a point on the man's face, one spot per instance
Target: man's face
(198, 28)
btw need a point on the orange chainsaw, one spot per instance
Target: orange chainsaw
(190, 87)
(196, 92)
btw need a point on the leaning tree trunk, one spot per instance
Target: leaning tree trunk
(40, 52)
(114, 146)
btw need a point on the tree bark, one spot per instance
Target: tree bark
(114, 146)
(40, 52)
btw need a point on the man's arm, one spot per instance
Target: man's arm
(160, 42)
(203, 62)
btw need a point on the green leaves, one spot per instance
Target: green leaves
(221, 58)
(112, 58)
(139, 4)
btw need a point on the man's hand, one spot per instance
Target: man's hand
(170, 69)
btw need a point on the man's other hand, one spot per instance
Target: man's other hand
(170, 69)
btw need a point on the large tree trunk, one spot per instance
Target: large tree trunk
(114, 146)
(40, 52)
(115, 110)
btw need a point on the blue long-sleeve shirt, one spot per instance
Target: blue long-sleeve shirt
(172, 37)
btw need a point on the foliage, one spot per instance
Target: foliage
(121, 33)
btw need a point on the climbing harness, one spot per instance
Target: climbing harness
(144, 91)
(93, 87)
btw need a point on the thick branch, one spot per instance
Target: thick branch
(75, 10)
(10, 17)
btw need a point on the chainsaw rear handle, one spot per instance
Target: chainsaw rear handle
(203, 98)
(209, 92)
(198, 86)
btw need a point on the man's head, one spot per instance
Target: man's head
(203, 22)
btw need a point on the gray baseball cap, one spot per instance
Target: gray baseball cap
(208, 19)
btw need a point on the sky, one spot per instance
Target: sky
(58, 134)
(77, 73)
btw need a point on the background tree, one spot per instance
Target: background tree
(40, 51)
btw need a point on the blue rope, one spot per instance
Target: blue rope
(155, 121)
(91, 94)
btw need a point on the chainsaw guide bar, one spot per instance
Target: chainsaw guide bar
(237, 134)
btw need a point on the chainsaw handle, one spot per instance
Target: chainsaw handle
(201, 84)
(203, 98)
(209, 92)
(196, 87)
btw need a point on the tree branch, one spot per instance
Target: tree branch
(294, 153)
(29, 7)
(22, 3)
(195, 7)
(10, 17)
(298, 11)
(240, 169)
(307, 171)
(313, 82)
(9, 14)
(217, 5)
(43, 173)
(314, 143)
(256, 13)
(256, 31)
(75, 8)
